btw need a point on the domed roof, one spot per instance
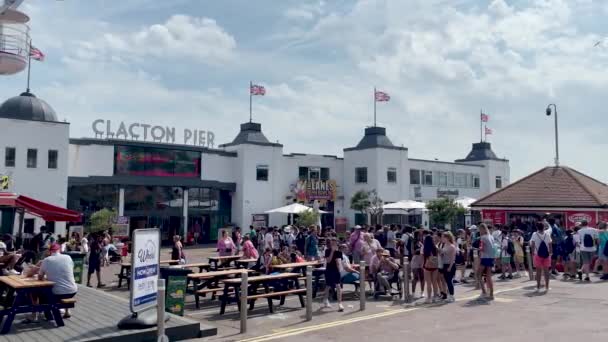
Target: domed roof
(27, 107)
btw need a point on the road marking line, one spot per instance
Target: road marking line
(298, 331)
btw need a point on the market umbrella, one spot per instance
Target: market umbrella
(404, 205)
(465, 201)
(294, 208)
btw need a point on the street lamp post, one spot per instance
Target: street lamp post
(556, 132)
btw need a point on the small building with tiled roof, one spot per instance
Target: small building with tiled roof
(563, 193)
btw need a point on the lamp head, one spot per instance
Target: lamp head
(548, 111)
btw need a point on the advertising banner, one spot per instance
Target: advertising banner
(176, 290)
(259, 220)
(310, 190)
(78, 269)
(602, 216)
(572, 217)
(144, 268)
(495, 216)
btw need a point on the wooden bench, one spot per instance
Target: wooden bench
(277, 294)
(68, 303)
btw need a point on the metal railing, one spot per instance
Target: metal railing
(14, 39)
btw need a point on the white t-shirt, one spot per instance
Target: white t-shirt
(577, 242)
(537, 238)
(390, 237)
(504, 244)
(497, 235)
(587, 231)
(2, 247)
(405, 238)
(84, 245)
(345, 261)
(59, 268)
(268, 241)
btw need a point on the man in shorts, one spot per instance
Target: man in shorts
(588, 244)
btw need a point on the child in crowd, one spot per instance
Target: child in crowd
(506, 253)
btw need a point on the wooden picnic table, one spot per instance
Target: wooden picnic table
(201, 266)
(244, 263)
(280, 288)
(222, 261)
(208, 282)
(20, 292)
(125, 271)
(297, 265)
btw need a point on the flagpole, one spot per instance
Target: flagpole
(29, 67)
(374, 106)
(485, 132)
(250, 101)
(480, 125)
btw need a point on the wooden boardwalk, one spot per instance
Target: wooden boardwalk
(95, 318)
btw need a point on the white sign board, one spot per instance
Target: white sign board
(144, 268)
(77, 229)
(120, 230)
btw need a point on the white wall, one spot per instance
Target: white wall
(429, 192)
(41, 183)
(219, 168)
(91, 160)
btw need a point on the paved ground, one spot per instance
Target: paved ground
(570, 310)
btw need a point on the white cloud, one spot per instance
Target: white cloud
(181, 36)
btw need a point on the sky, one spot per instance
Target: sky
(188, 64)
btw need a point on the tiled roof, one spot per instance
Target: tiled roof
(550, 187)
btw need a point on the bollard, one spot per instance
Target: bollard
(362, 283)
(308, 293)
(244, 294)
(406, 281)
(529, 257)
(476, 269)
(160, 311)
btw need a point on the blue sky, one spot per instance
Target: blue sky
(187, 63)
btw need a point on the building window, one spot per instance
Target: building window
(498, 182)
(303, 173)
(460, 180)
(450, 178)
(443, 179)
(476, 181)
(314, 173)
(391, 175)
(9, 157)
(53, 154)
(361, 175)
(32, 158)
(427, 177)
(414, 176)
(261, 173)
(324, 173)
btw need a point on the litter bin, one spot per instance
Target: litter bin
(175, 284)
(78, 260)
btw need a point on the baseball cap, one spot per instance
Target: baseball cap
(357, 227)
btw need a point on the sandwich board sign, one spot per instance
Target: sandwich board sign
(144, 269)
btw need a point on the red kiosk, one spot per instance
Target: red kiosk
(562, 192)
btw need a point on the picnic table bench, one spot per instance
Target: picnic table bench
(208, 282)
(276, 286)
(125, 271)
(218, 262)
(20, 292)
(244, 263)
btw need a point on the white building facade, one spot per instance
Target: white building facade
(195, 191)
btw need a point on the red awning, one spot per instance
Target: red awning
(46, 211)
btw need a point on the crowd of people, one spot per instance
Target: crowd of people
(438, 259)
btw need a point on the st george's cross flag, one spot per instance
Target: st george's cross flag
(382, 96)
(485, 117)
(257, 90)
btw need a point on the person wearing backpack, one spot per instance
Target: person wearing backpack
(541, 246)
(506, 253)
(603, 250)
(588, 236)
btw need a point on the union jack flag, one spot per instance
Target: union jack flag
(485, 117)
(255, 89)
(36, 54)
(382, 96)
(488, 131)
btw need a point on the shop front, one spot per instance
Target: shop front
(307, 191)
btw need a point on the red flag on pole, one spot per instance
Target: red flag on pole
(257, 90)
(36, 54)
(485, 117)
(382, 96)
(488, 131)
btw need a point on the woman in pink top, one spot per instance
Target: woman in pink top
(225, 245)
(249, 251)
